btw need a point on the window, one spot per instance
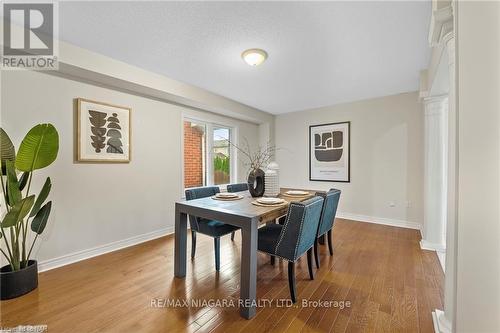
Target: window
(208, 156)
(221, 155)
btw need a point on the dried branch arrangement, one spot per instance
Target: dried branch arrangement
(255, 159)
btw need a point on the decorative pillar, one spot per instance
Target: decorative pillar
(441, 38)
(435, 158)
(445, 319)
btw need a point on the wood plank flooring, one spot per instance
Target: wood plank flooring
(391, 284)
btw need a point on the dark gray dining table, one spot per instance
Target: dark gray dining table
(241, 213)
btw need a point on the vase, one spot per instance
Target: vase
(271, 180)
(256, 183)
(17, 283)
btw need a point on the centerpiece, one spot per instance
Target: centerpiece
(256, 161)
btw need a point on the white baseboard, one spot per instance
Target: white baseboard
(425, 245)
(379, 220)
(441, 324)
(102, 249)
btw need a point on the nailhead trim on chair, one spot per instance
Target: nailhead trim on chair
(292, 205)
(277, 255)
(299, 235)
(285, 226)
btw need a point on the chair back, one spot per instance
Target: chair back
(300, 228)
(198, 193)
(237, 187)
(329, 210)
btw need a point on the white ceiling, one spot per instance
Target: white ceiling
(320, 53)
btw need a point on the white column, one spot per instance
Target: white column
(446, 319)
(435, 109)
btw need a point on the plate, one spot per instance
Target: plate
(226, 195)
(223, 198)
(296, 192)
(270, 201)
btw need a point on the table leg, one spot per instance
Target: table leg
(248, 283)
(180, 243)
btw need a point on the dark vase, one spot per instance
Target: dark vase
(17, 283)
(256, 183)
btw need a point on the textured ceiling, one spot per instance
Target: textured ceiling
(320, 53)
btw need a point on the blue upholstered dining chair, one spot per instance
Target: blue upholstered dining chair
(240, 187)
(210, 228)
(328, 213)
(296, 237)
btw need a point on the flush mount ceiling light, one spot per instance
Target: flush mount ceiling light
(254, 57)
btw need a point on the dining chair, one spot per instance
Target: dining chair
(328, 212)
(240, 187)
(296, 237)
(207, 227)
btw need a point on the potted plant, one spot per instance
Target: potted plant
(24, 214)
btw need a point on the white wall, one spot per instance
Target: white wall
(386, 156)
(478, 229)
(96, 204)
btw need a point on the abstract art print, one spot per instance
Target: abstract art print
(103, 132)
(329, 152)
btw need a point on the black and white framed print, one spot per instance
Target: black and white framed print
(329, 152)
(103, 132)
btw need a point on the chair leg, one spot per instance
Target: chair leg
(309, 263)
(316, 253)
(273, 260)
(232, 236)
(193, 243)
(217, 253)
(330, 242)
(291, 281)
(321, 239)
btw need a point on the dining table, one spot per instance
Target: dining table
(242, 213)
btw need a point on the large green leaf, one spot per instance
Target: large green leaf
(44, 193)
(40, 221)
(7, 151)
(23, 180)
(18, 212)
(38, 149)
(13, 192)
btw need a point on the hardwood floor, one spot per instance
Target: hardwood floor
(391, 284)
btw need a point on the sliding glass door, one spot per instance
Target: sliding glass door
(221, 155)
(208, 154)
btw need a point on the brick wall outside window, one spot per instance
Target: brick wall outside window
(193, 155)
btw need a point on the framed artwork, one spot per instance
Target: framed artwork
(103, 132)
(329, 152)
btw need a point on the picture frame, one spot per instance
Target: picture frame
(103, 132)
(330, 152)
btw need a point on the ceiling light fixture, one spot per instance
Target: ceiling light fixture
(254, 57)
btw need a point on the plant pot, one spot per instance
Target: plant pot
(17, 283)
(256, 183)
